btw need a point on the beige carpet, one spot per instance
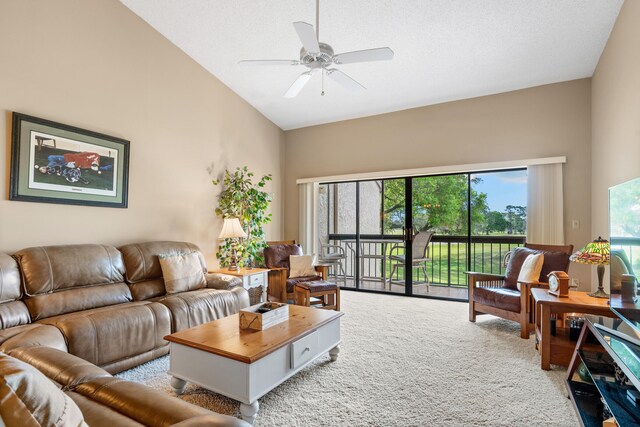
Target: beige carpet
(407, 362)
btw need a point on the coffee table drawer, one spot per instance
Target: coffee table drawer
(303, 350)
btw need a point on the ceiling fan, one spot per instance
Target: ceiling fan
(319, 57)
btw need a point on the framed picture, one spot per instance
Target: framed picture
(56, 163)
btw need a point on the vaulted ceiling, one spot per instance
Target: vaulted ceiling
(444, 49)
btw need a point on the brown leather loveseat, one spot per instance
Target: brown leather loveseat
(79, 313)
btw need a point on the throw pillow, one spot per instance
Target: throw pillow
(28, 398)
(301, 266)
(182, 272)
(531, 268)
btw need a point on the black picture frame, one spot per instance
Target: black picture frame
(57, 163)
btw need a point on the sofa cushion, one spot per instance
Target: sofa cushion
(182, 273)
(12, 311)
(142, 262)
(49, 269)
(504, 298)
(142, 404)
(69, 278)
(553, 261)
(60, 303)
(277, 256)
(194, 308)
(9, 279)
(143, 271)
(61, 367)
(28, 398)
(99, 415)
(32, 335)
(108, 334)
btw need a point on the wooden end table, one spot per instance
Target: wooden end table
(245, 365)
(559, 349)
(250, 279)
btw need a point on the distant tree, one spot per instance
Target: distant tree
(516, 217)
(496, 222)
(439, 203)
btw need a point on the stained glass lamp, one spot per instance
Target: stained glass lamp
(596, 252)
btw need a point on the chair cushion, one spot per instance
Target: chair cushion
(506, 299)
(317, 286)
(28, 398)
(301, 266)
(531, 268)
(553, 261)
(291, 282)
(182, 272)
(277, 256)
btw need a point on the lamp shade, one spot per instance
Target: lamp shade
(231, 229)
(596, 252)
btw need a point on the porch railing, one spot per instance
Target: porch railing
(447, 254)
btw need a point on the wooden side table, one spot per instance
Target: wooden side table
(559, 349)
(251, 279)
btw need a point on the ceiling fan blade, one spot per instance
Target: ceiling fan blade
(307, 36)
(378, 54)
(344, 80)
(254, 62)
(298, 84)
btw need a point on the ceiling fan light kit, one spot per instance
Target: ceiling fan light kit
(319, 56)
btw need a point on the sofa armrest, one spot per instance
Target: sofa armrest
(222, 281)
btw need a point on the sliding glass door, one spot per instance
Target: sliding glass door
(457, 223)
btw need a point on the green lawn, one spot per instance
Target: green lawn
(443, 270)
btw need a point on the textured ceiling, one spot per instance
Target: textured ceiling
(444, 49)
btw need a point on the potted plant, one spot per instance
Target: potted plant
(243, 199)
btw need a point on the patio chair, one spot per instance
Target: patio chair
(419, 256)
(276, 258)
(334, 255)
(499, 294)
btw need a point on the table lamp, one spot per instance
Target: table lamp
(596, 252)
(231, 229)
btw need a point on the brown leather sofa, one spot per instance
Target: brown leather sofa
(79, 313)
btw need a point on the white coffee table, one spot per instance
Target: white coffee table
(245, 365)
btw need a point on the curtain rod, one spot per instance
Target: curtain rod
(471, 167)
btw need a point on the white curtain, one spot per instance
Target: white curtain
(308, 217)
(545, 212)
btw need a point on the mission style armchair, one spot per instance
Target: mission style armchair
(499, 295)
(276, 259)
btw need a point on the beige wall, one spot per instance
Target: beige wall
(545, 121)
(96, 65)
(616, 113)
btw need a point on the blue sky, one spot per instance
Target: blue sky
(503, 188)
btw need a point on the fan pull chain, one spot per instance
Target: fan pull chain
(322, 93)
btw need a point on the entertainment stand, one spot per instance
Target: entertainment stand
(599, 380)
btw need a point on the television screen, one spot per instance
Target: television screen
(624, 265)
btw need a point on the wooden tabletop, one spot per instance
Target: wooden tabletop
(225, 338)
(575, 301)
(240, 273)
